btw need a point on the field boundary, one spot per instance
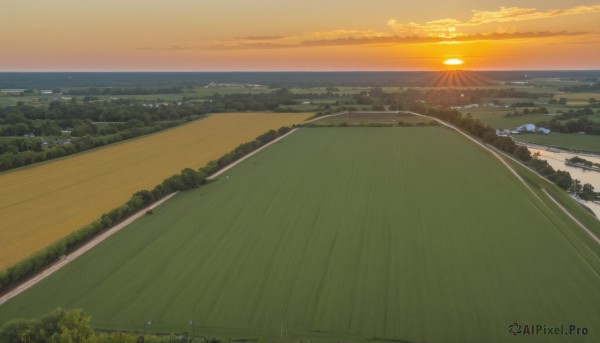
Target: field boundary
(80, 251)
(202, 117)
(495, 154)
(100, 238)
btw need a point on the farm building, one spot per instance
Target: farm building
(542, 130)
(526, 128)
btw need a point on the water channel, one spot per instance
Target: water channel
(556, 159)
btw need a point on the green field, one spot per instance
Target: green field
(353, 234)
(366, 118)
(573, 141)
(494, 117)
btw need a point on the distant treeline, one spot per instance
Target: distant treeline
(123, 91)
(272, 79)
(527, 111)
(593, 87)
(124, 122)
(104, 111)
(187, 179)
(121, 119)
(440, 96)
(30, 151)
(252, 102)
(576, 121)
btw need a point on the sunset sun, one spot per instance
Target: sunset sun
(453, 62)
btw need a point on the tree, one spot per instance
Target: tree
(562, 179)
(57, 326)
(522, 153)
(576, 188)
(587, 192)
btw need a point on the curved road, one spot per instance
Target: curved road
(493, 152)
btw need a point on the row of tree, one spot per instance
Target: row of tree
(442, 96)
(22, 152)
(123, 91)
(187, 179)
(102, 111)
(121, 119)
(582, 124)
(73, 326)
(561, 178)
(593, 87)
(527, 111)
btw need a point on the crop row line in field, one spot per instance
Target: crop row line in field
(126, 221)
(82, 250)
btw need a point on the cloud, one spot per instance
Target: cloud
(260, 37)
(444, 30)
(508, 14)
(369, 41)
(447, 27)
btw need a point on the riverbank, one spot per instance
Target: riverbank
(554, 149)
(556, 158)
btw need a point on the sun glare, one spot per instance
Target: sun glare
(453, 62)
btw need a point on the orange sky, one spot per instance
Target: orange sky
(211, 35)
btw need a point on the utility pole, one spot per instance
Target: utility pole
(193, 322)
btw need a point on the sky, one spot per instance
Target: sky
(297, 35)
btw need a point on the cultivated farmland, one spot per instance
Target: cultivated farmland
(40, 204)
(365, 118)
(397, 234)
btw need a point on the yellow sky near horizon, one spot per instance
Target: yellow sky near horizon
(189, 35)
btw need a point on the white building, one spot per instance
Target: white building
(526, 128)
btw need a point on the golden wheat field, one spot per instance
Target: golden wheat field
(40, 204)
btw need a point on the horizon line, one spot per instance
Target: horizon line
(286, 71)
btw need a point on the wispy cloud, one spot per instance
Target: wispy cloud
(260, 37)
(367, 41)
(447, 27)
(445, 30)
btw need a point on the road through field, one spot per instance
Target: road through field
(43, 203)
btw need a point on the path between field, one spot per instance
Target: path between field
(75, 254)
(590, 233)
(97, 240)
(495, 154)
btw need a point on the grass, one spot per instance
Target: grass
(537, 184)
(42, 203)
(579, 142)
(397, 234)
(494, 117)
(357, 118)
